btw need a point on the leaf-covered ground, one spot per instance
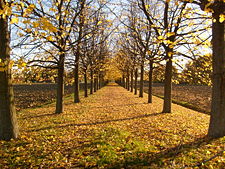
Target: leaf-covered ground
(112, 129)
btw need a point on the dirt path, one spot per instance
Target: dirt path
(111, 128)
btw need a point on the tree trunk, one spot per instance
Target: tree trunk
(135, 81)
(76, 79)
(142, 80)
(168, 87)
(95, 84)
(217, 119)
(128, 80)
(99, 81)
(60, 85)
(150, 82)
(124, 83)
(91, 85)
(85, 84)
(132, 80)
(8, 120)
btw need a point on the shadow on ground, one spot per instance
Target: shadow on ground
(96, 123)
(148, 159)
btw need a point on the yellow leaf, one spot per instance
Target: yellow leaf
(99, 22)
(160, 37)
(14, 20)
(23, 64)
(147, 6)
(26, 21)
(36, 24)
(49, 38)
(28, 30)
(170, 54)
(2, 69)
(222, 18)
(170, 34)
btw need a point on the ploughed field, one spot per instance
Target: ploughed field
(33, 95)
(195, 96)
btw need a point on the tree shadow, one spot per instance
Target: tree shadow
(115, 85)
(147, 159)
(95, 123)
(119, 105)
(37, 116)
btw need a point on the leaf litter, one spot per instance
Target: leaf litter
(112, 129)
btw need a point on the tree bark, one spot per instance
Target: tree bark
(91, 85)
(126, 83)
(95, 84)
(168, 87)
(142, 80)
(60, 85)
(135, 81)
(99, 81)
(150, 82)
(76, 78)
(8, 121)
(78, 55)
(85, 84)
(128, 80)
(123, 82)
(217, 118)
(132, 81)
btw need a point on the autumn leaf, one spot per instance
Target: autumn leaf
(14, 20)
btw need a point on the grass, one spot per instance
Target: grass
(112, 129)
(112, 147)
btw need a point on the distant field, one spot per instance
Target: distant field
(198, 96)
(27, 96)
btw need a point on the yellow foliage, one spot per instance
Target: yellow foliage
(170, 34)
(6, 11)
(49, 38)
(36, 24)
(14, 20)
(29, 9)
(222, 18)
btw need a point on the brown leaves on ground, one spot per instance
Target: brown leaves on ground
(112, 129)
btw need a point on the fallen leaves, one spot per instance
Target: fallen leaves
(112, 128)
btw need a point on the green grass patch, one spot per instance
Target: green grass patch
(114, 148)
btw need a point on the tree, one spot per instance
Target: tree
(78, 53)
(198, 71)
(112, 71)
(53, 22)
(8, 121)
(217, 118)
(171, 24)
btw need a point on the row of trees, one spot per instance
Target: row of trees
(58, 36)
(164, 32)
(195, 72)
